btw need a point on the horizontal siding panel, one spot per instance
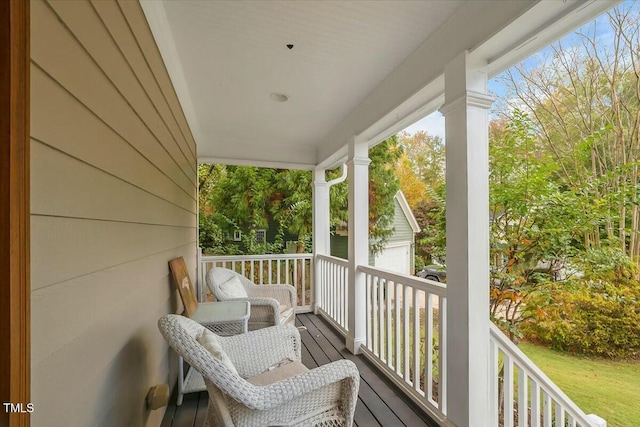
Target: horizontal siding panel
(113, 199)
(83, 21)
(125, 406)
(64, 186)
(402, 231)
(50, 42)
(65, 248)
(92, 298)
(112, 363)
(140, 29)
(59, 120)
(111, 14)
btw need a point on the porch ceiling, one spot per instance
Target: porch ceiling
(353, 64)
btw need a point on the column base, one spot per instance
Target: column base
(353, 344)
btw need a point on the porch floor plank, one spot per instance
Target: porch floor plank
(380, 403)
(169, 413)
(388, 399)
(367, 396)
(201, 414)
(187, 412)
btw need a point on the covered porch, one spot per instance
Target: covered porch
(128, 97)
(404, 354)
(379, 402)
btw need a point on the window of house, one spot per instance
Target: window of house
(237, 236)
(261, 237)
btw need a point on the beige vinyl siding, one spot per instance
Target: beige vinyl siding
(113, 199)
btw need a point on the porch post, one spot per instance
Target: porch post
(321, 244)
(358, 181)
(467, 179)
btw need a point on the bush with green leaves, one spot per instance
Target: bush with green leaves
(591, 316)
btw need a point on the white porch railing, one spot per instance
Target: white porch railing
(406, 334)
(406, 339)
(334, 298)
(519, 387)
(290, 269)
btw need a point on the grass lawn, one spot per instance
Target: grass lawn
(608, 389)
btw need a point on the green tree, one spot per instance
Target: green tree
(535, 225)
(243, 198)
(420, 172)
(585, 101)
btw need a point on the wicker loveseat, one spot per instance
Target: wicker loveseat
(252, 392)
(270, 304)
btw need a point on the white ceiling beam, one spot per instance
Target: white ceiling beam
(256, 162)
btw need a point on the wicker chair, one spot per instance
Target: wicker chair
(270, 304)
(324, 396)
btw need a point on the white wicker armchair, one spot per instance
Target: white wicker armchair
(324, 396)
(270, 304)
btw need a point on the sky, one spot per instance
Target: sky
(434, 123)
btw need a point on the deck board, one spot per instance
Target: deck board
(379, 402)
(382, 413)
(201, 415)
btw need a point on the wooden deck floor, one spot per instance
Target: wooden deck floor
(379, 402)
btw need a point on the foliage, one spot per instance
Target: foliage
(246, 198)
(294, 211)
(564, 193)
(592, 316)
(383, 186)
(585, 101)
(211, 236)
(534, 225)
(421, 165)
(597, 314)
(431, 240)
(420, 172)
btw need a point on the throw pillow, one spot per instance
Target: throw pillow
(232, 288)
(211, 343)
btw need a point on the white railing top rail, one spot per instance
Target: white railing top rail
(540, 377)
(335, 260)
(419, 283)
(206, 258)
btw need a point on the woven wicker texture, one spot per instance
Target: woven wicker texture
(325, 396)
(267, 301)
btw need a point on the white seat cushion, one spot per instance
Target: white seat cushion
(211, 343)
(285, 312)
(231, 289)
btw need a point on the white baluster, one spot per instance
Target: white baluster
(442, 357)
(416, 339)
(535, 403)
(405, 328)
(523, 405)
(508, 390)
(428, 347)
(548, 411)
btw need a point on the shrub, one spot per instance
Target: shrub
(591, 317)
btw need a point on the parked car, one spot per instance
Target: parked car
(435, 272)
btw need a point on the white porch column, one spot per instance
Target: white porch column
(321, 243)
(358, 181)
(467, 178)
